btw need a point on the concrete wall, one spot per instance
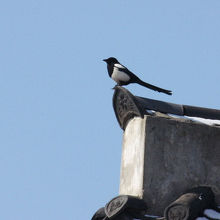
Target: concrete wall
(161, 158)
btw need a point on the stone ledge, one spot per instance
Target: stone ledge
(162, 157)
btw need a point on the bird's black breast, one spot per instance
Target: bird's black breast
(110, 68)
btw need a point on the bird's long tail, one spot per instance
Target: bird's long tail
(155, 88)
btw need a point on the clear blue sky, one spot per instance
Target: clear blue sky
(60, 142)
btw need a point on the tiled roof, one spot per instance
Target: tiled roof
(195, 204)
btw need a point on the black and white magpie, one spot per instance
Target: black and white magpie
(123, 76)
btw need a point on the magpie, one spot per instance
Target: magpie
(123, 76)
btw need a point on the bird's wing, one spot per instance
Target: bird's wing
(120, 67)
(127, 71)
(124, 69)
(127, 75)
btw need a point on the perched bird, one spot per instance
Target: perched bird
(123, 76)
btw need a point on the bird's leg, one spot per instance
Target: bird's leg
(115, 86)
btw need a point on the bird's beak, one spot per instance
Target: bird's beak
(104, 60)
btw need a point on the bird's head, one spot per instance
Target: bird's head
(111, 60)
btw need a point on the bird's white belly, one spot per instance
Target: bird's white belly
(119, 76)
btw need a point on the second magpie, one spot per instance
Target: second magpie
(123, 76)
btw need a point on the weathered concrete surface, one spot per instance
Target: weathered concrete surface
(162, 157)
(132, 169)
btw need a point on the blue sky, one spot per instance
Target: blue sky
(60, 142)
